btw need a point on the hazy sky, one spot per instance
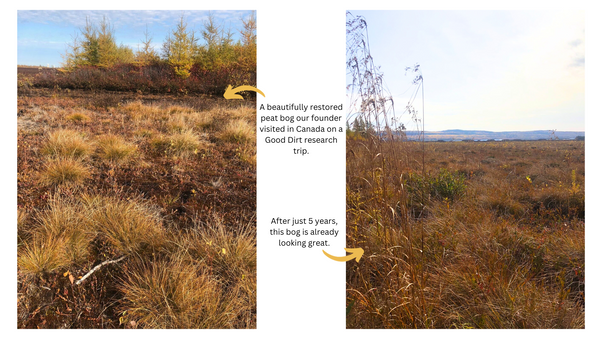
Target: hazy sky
(487, 70)
(42, 35)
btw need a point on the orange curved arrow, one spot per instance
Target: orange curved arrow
(230, 93)
(354, 253)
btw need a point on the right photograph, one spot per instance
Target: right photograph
(465, 169)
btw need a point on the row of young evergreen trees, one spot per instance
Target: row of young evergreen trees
(182, 49)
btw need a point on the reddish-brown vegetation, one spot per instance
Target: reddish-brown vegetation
(491, 235)
(153, 79)
(148, 193)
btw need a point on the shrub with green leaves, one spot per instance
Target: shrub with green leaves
(447, 184)
(444, 185)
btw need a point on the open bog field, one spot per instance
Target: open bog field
(487, 235)
(135, 211)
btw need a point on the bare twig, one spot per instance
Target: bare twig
(98, 267)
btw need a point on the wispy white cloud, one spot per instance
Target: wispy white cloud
(131, 18)
(37, 42)
(579, 62)
(576, 42)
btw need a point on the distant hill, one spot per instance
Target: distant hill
(483, 135)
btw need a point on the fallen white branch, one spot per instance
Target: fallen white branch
(98, 267)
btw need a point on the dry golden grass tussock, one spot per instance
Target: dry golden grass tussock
(186, 142)
(78, 117)
(22, 218)
(234, 248)
(203, 120)
(239, 131)
(42, 254)
(194, 120)
(174, 294)
(247, 153)
(64, 171)
(179, 109)
(129, 226)
(229, 251)
(65, 218)
(115, 149)
(182, 144)
(66, 143)
(58, 232)
(177, 123)
(138, 111)
(60, 216)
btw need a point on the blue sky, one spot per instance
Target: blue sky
(42, 35)
(489, 70)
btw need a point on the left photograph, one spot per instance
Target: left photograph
(136, 182)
